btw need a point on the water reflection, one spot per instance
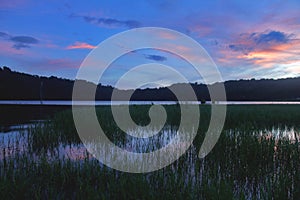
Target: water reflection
(250, 163)
(15, 141)
(276, 133)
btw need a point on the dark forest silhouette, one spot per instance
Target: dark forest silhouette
(21, 86)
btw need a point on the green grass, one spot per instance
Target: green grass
(245, 163)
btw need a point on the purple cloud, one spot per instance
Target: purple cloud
(260, 41)
(4, 35)
(19, 41)
(110, 21)
(24, 39)
(156, 58)
(19, 46)
(270, 37)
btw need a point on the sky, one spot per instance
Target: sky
(245, 39)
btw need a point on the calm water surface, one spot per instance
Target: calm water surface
(68, 103)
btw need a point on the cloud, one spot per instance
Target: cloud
(24, 39)
(111, 22)
(19, 41)
(270, 37)
(116, 22)
(156, 58)
(7, 50)
(89, 19)
(260, 41)
(200, 30)
(20, 46)
(60, 63)
(268, 49)
(48, 63)
(240, 47)
(81, 45)
(4, 35)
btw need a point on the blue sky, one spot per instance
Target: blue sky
(246, 39)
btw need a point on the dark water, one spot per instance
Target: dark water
(20, 112)
(11, 115)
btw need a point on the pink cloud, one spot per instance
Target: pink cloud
(48, 63)
(81, 45)
(164, 34)
(275, 54)
(201, 30)
(51, 46)
(60, 63)
(6, 49)
(264, 49)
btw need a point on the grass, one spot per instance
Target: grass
(246, 163)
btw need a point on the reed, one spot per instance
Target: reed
(254, 159)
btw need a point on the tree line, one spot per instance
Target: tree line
(21, 86)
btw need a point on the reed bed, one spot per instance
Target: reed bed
(256, 157)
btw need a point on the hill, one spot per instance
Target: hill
(21, 86)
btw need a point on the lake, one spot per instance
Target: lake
(257, 155)
(65, 103)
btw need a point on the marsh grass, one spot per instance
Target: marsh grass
(253, 159)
